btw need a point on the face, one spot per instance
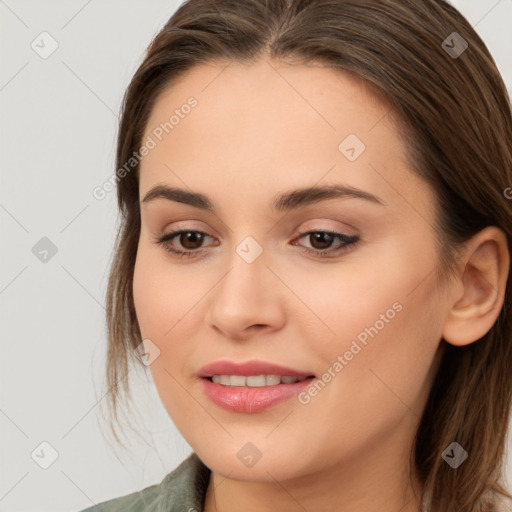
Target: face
(337, 286)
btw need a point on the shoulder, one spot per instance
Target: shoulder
(182, 489)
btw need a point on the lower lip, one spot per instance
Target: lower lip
(251, 399)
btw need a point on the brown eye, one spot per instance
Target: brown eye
(191, 239)
(321, 240)
(321, 243)
(183, 243)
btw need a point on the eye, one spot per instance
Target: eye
(189, 239)
(322, 241)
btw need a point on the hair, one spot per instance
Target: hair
(456, 120)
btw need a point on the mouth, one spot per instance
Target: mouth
(251, 399)
(251, 386)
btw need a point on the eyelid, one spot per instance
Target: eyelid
(325, 224)
(186, 226)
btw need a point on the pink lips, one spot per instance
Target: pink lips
(247, 398)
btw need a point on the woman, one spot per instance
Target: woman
(314, 256)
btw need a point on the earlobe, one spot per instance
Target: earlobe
(483, 278)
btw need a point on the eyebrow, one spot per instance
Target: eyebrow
(286, 201)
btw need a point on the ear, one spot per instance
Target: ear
(480, 289)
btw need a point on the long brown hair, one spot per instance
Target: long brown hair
(457, 122)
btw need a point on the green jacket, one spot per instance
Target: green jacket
(183, 490)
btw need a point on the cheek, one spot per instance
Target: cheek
(384, 322)
(383, 377)
(167, 303)
(162, 294)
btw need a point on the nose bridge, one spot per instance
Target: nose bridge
(244, 284)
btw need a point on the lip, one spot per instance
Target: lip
(249, 368)
(249, 399)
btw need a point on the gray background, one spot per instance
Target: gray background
(58, 122)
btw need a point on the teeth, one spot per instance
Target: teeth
(254, 380)
(288, 380)
(269, 380)
(237, 380)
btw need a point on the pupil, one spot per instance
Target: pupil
(190, 237)
(321, 237)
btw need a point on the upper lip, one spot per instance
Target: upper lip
(249, 368)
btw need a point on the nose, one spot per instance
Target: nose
(248, 300)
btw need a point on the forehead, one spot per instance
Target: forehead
(267, 96)
(272, 125)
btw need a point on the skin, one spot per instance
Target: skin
(257, 131)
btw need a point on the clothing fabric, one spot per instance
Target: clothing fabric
(183, 490)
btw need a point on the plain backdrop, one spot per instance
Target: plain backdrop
(59, 121)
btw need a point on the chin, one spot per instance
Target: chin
(237, 463)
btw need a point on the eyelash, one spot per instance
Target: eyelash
(348, 243)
